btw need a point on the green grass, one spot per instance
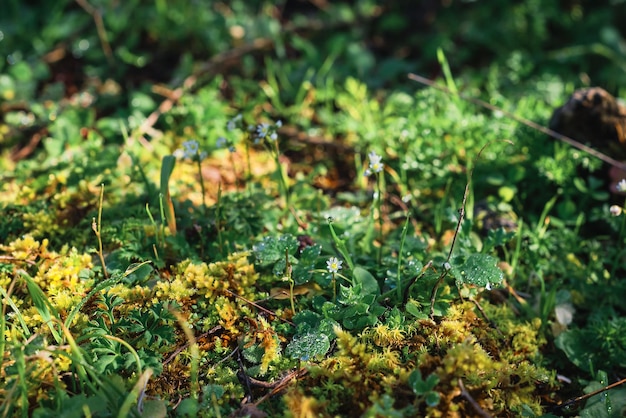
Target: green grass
(246, 252)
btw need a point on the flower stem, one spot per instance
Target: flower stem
(204, 206)
(379, 203)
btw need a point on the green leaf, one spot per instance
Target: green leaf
(478, 270)
(414, 308)
(432, 398)
(272, 249)
(155, 408)
(312, 345)
(303, 270)
(420, 386)
(188, 408)
(368, 282)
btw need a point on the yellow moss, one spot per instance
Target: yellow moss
(469, 361)
(132, 295)
(228, 314)
(350, 346)
(41, 223)
(60, 271)
(269, 342)
(388, 359)
(197, 276)
(383, 336)
(5, 281)
(235, 274)
(26, 248)
(301, 406)
(173, 290)
(31, 317)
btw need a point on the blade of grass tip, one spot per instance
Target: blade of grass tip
(80, 363)
(157, 231)
(447, 74)
(167, 167)
(22, 385)
(97, 228)
(341, 246)
(518, 246)
(523, 121)
(542, 223)
(42, 304)
(6, 297)
(149, 189)
(405, 230)
(136, 395)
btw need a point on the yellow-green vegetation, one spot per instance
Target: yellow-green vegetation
(246, 208)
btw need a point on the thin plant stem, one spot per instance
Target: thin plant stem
(281, 175)
(379, 203)
(249, 164)
(405, 229)
(288, 274)
(444, 273)
(232, 163)
(620, 250)
(341, 245)
(204, 206)
(218, 223)
(97, 227)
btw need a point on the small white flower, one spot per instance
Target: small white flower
(179, 154)
(376, 166)
(333, 264)
(488, 286)
(615, 210)
(279, 123)
(262, 130)
(621, 186)
(447, 266)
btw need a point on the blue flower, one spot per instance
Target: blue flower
(191, 151)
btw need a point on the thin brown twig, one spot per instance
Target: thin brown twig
(428, 265)
(15, 259)
(256, 305)
(188, 343)
(280, 385)
(217, 62)
(524, 121)
(484, 314)
(459, 223)
(472, 401)
(102, 34)
(594, 393)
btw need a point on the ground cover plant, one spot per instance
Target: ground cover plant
(247, 208)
